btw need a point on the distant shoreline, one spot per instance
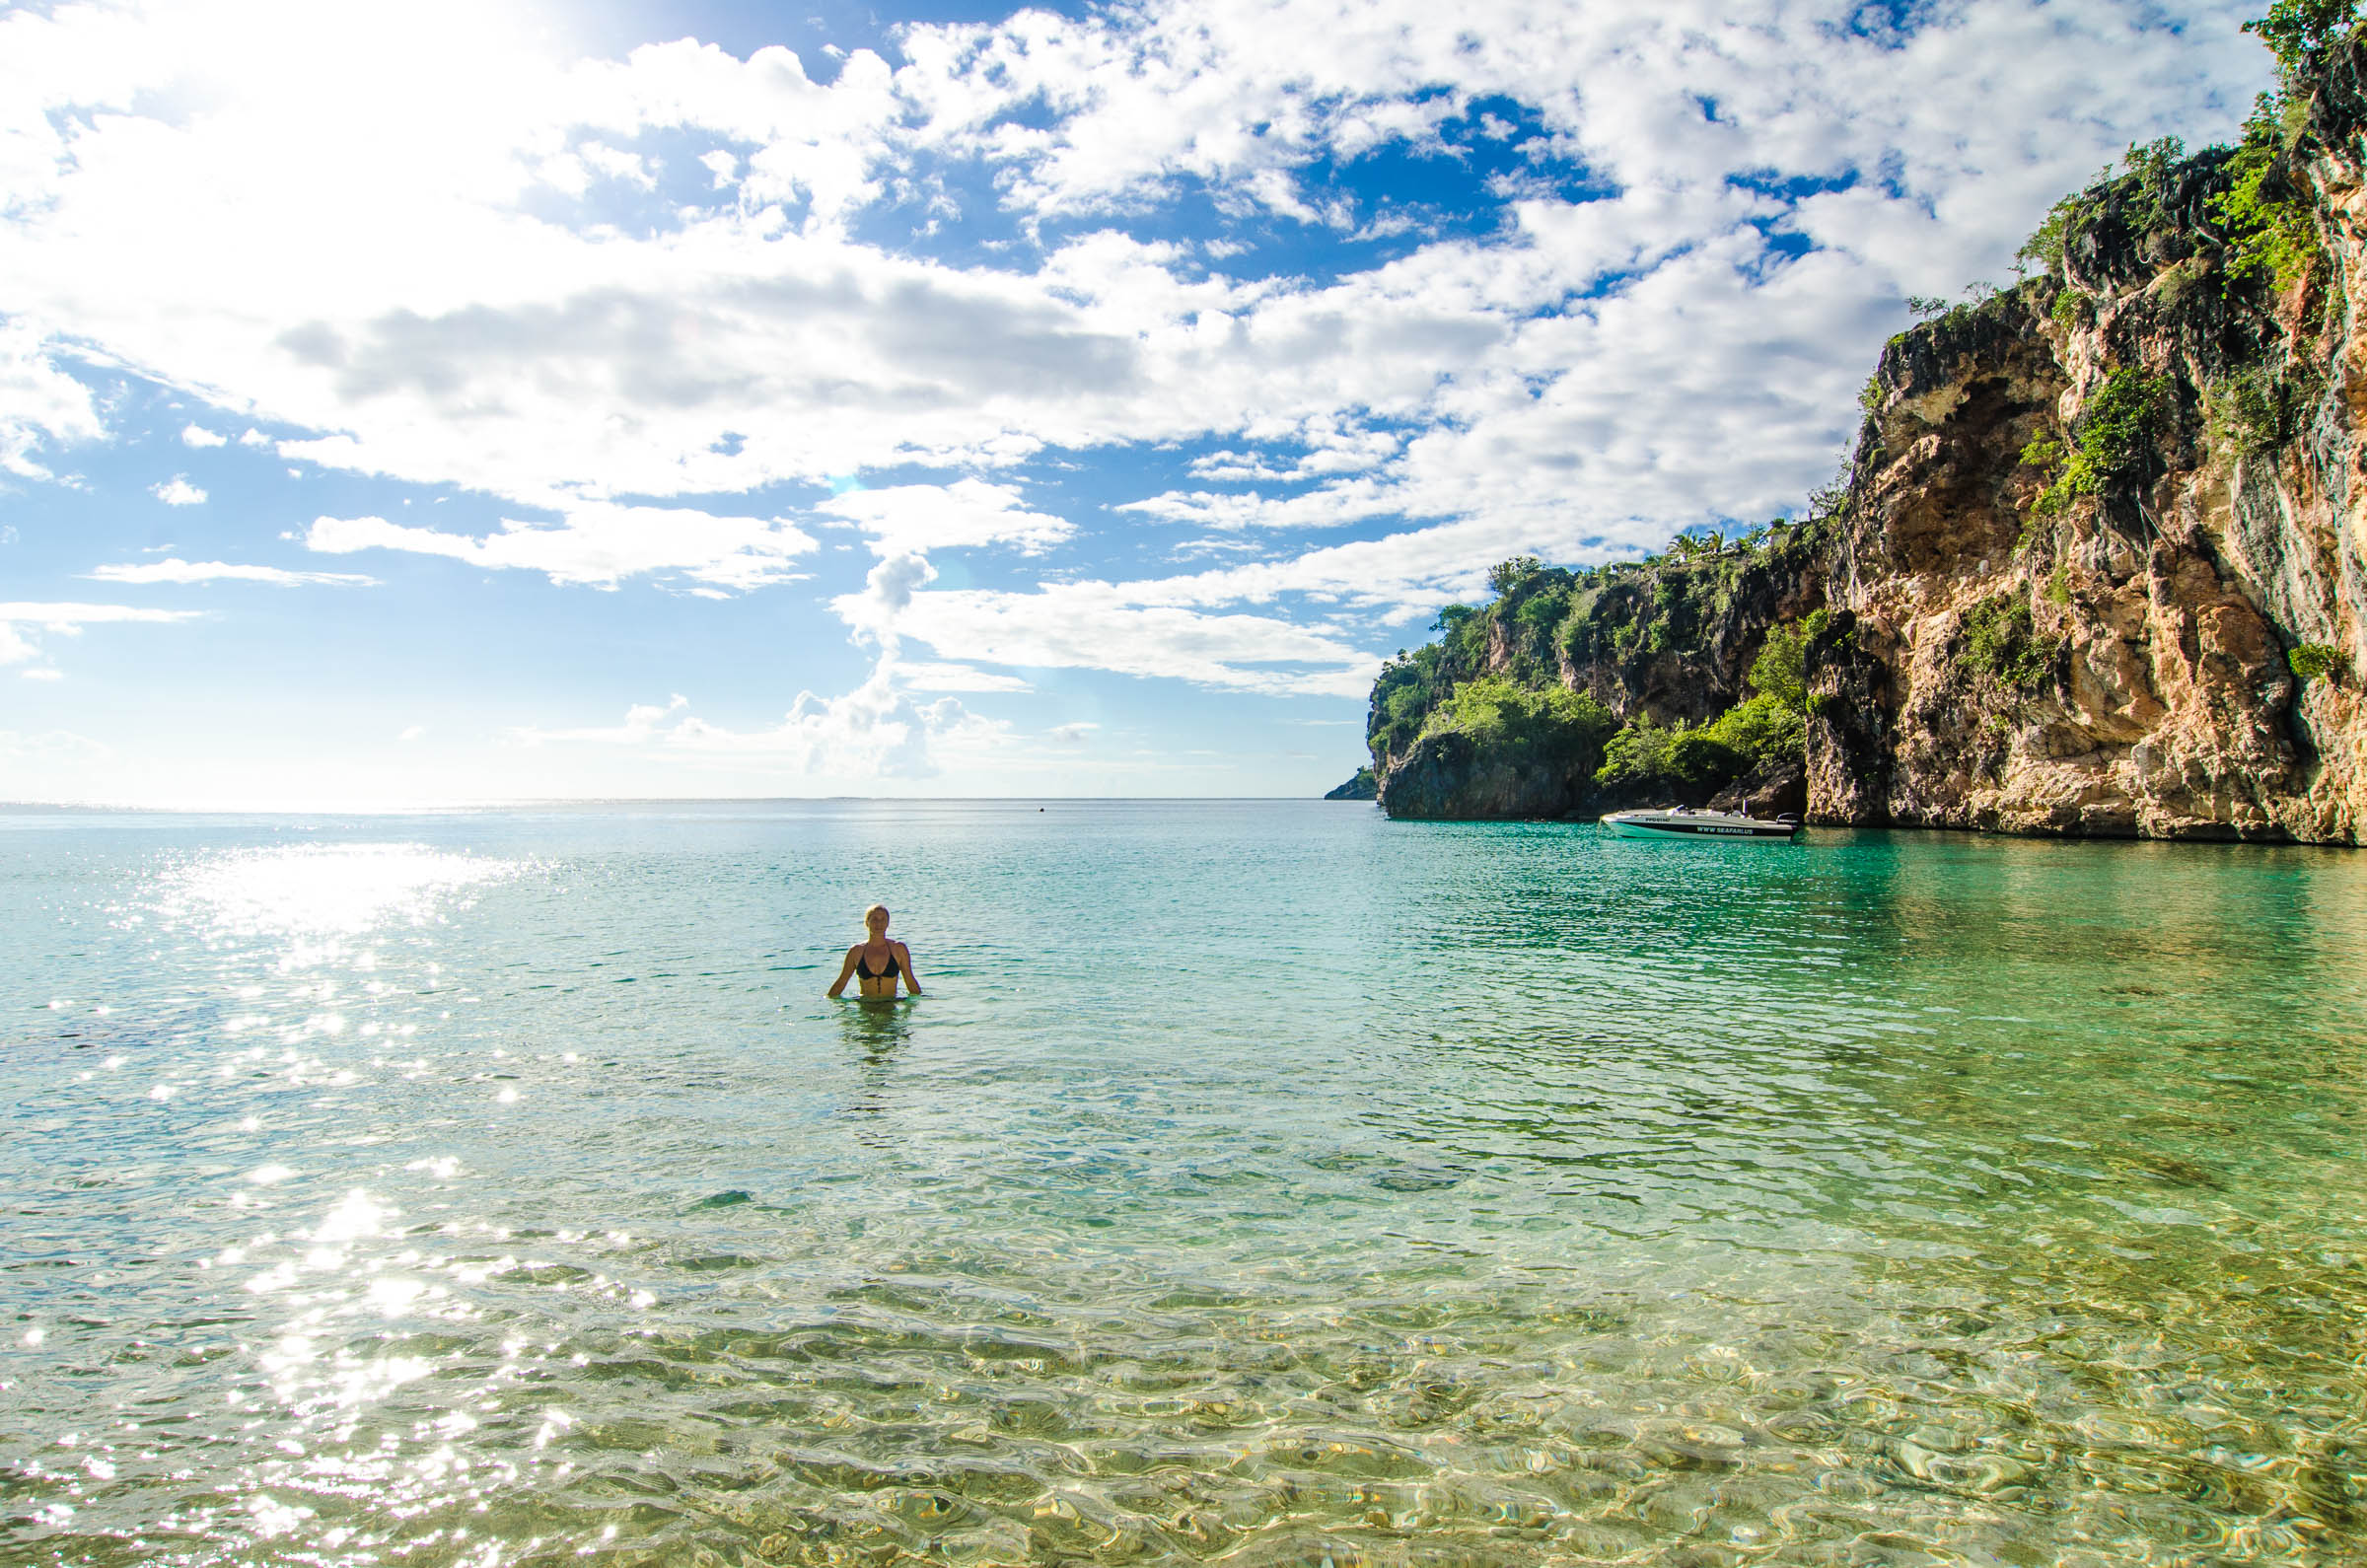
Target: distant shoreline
(57, 808)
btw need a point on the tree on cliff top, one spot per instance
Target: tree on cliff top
(1506, 576)
(2269, 231)
(2297, 31)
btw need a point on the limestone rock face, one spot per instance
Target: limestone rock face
(1780, 790)
(1448, 777)
(1670, 642)
(1699, 667)
(2156, 697)
(2004, 649)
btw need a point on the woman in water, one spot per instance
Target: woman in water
(876, 960)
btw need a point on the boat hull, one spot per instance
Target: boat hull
(1669, 825)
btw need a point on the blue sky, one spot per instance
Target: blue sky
(457, 402)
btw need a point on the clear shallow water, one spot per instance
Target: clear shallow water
(1262, 1181)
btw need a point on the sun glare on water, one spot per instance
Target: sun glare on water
(318, 898)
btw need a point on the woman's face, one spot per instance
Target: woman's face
(876, 921)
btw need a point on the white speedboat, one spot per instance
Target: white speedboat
(1683, 822)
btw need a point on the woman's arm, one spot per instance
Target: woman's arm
(844, 969)
(904, 956)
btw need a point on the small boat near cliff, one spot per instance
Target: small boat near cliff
(1683, 822)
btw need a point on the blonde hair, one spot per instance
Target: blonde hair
(877, 909)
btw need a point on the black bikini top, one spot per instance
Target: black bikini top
(863, 967)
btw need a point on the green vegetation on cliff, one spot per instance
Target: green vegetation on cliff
(2252, 220)
(1519, 679)
(2001, 643)
(2163, 373)
(2299, 31)
(1362, 787)
(2270, 231)
(1530, 726)
(2111, 441)
(2317, 661)
(1753, 738)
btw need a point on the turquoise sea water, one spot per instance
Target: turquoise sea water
(1263, 1182)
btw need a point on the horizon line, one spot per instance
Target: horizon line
(384, 807)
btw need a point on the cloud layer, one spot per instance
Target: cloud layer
(874, 732)
(176, 570)
(1352, 301)
(23, 622)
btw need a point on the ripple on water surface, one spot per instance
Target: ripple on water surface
(1258, 1183)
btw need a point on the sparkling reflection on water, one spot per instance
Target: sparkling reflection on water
(1258, 1183)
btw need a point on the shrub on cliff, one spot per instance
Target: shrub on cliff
(1771, 725)
(2114, 437)
(2111, 441)
(1781, 668)
(2259, 412)
(1528, 726)
(1536, 623)
(1699, 759)
(2270, 231)
(1402, 696)
(2317, 661)
(1766, 729)
(1763, 731)
(2137, 198)
(1645, 757)
(2001, 644)
(2047, 243)
(1637, 757)
(1463, 628)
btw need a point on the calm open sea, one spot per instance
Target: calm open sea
(1262, 1181)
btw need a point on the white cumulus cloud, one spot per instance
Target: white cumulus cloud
(874, 732)
(642, 721)
(40, 405)
(1652, 310)
(599, 545)
(178, 491)
(923, 676)
(1104, 626)
(19, 621)
(70, 617)
(914, 519)
(172, 569)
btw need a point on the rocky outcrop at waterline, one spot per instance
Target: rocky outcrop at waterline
(2099, 563)
(1363, 787)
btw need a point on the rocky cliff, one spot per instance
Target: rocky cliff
(1471, 727)
(2099, 565)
